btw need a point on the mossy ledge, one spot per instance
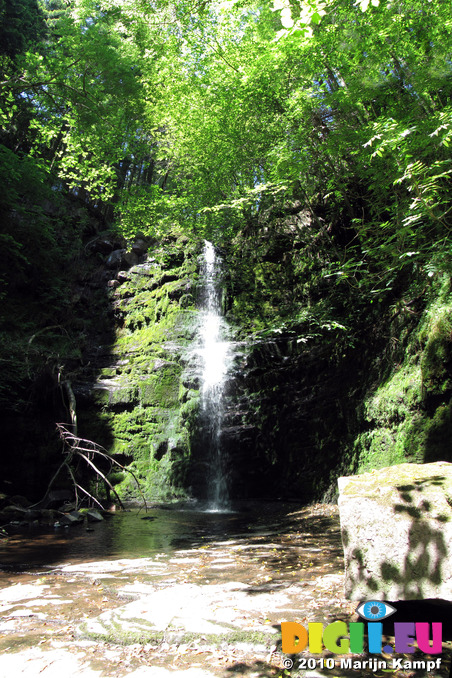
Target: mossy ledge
(117, 635)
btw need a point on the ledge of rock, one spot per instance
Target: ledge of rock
(396, 525)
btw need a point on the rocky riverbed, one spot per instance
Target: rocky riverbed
(212, 608)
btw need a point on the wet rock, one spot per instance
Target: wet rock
(131, 258)
(12, 514)
(67, 507)
(161, 449)
(186, 301)
(94, 516)
(56, 497)
(191, 381)
(77, 516)
(33, 515)
(140, 246)
(168, 277)
(146, 269)
(115, 259)
(67, 519)
(103, 245)
(396, 525)
(140, 374)
(159, 364)
(47, 517)
(10, 508)
(122, 276)
(19, 500)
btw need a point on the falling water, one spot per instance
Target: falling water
(216, 359)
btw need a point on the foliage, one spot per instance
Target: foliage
(21, 26)
(202, 115)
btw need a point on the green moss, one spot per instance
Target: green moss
(146, 633)
(398, 424)
(438, 434)
(190, 408)
(146, 412)
(409, 414)
(161, 389)
(397, 397)
(382, 447)
(116, 478)
(436, 334)
(120, 637)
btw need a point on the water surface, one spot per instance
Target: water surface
(136, 533)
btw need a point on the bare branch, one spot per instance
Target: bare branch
(76, 485)
(104, 478)
(82, 448)
(72, 405)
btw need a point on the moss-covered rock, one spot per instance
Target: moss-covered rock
(147, 415)
(408, 414)
(334, 380)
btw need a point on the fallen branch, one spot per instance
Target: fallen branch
(80, 446)
(104, 478)
(83, 449)
(75, 444)
(79, 487)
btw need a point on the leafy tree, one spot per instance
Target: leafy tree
(21, 27)
(211, 113)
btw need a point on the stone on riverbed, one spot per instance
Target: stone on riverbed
(68, 519)
(94, 516)
(396, 525)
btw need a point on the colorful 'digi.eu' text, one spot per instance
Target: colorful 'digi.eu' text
(342, 639)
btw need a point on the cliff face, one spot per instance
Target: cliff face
(333, 380)
(135, 395)
(327, 380)
(115, 324)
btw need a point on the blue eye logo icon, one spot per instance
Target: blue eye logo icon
(375, 610)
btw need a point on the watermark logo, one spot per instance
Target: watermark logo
(341, 638)
(375, 610)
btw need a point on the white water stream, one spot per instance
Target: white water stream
(216, 359)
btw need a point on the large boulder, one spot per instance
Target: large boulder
(396, 525)
(115, 259)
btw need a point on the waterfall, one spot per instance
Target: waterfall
(215, 362)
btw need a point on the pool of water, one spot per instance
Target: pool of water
(134, 534)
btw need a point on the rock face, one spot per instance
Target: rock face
(396, 525)
(131, 393)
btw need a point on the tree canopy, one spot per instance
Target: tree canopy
(207, 113)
